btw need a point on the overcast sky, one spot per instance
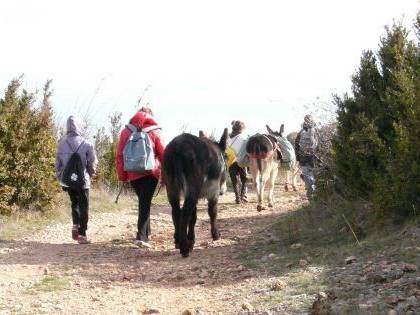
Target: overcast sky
(207, 62)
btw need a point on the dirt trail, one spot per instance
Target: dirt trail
(49, 273)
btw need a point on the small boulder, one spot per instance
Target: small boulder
(278, 285)
(151, 311)
(303, 263)
(296, 246)
(374, 277)
(272, 256)
(392, 299)
(351, 259)
(246, 306)
(409, 268)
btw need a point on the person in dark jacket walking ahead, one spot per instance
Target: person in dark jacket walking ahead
(73, 142)
(144, 183)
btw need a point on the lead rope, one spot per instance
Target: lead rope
(158, 190)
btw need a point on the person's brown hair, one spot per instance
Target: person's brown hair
(146, 110)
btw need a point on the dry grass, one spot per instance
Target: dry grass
(325, 240)
(50, 283)
(23, 223)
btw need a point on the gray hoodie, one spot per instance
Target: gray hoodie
(68, 145)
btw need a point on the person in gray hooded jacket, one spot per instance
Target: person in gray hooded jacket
(72, 142)
(305, 147)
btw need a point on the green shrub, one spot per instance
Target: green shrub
(27, 150)
(106, 147)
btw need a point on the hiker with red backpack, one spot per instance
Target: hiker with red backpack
(75, 166)
(138, 161)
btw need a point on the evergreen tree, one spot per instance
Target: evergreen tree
(377, 146)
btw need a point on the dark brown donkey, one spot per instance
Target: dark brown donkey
(194, 168)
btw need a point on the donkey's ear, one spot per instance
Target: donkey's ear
(281, 129)
(201, 134)
(270, 131)
(223, 140)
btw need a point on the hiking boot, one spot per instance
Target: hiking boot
(142, 244)
(83, 240)
(244, 197)
(237, 198)
(75, 232)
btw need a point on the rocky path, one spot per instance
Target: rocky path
(48, 273)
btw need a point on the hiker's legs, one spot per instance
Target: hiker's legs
(144, 188)
(244, 179)
(84, 210)
(234, 172)
(309, 180)
(74, 199)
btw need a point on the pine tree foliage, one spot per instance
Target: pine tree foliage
(377, 148)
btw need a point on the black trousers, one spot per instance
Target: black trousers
(236, 171)
(144, 188)
(79, 208)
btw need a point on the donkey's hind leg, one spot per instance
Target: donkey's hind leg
(191, 228)
(272, 180)
(174, 200)
(295, 172)
(190, 204)
(286, 185)
(212, 209)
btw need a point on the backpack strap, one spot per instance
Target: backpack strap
(80, 145)
(151, 128)
(146, 130)
(132, 127)
(234, 140)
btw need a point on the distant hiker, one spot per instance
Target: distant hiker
(138, 161)
(75, 166)
(305, 145)
(236, 144)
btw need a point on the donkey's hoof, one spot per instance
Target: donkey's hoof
(270, 205)
(286, 188)
(294, 188)
(260, 208)
(216, 236)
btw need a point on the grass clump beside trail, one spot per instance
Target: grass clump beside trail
(49, 283)
(21, 223)
(325, 235)
(306, 246)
